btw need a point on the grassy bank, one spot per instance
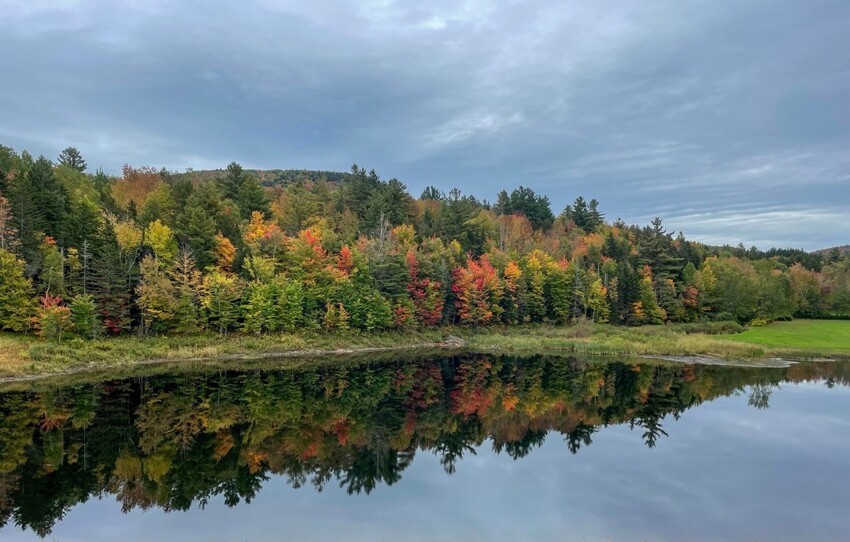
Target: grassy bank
(25, 355)
(829, 336)
(22, 356)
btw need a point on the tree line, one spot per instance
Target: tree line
(153, 251)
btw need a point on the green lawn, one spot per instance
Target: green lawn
(809, 335)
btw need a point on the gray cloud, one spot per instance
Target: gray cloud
(728, 118)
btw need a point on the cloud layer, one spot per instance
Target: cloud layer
(730, 119)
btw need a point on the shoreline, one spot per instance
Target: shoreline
(28, 359)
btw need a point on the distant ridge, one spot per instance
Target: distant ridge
(843, 250)
(274, 177)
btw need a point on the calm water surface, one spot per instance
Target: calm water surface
(465, 448)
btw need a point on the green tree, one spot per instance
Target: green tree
(84, 316)
(251, 197)
(49, 198)
(114, 275)
(656, 250)
(17, 305)
(232, 181)
(157, 296)
(525, 201)
(220, 299)
(198, 230)
(71, 157)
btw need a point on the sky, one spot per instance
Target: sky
(730, 119)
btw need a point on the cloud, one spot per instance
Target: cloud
(652, 108)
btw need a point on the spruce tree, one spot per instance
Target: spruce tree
(71, 157)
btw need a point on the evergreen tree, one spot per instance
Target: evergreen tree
(559, 295)
(656, 250)
(114, 273)
(251, 197)
(84, 316)
(232, 181)
(628, 293)
(594, 217)
(198, 230)
(49, 197)
(526, 202)
(534, 301)
(84, 223)
(72, 158)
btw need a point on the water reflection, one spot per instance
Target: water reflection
(174, 442)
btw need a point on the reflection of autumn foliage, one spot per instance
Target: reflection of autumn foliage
(171, 441)
(471, 395)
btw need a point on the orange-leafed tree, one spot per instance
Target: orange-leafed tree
(478, 291)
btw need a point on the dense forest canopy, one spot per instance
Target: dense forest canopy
(153, 251)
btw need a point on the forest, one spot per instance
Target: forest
(158, 252)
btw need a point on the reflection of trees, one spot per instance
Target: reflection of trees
(579, 436)
(174, 442)
(760, 395)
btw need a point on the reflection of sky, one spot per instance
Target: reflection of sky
(726, 472)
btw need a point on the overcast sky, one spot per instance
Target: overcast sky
(730, 119)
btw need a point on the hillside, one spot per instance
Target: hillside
(843, 250)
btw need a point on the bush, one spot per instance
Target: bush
(84, 316)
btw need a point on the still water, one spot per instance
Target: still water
(462, 448)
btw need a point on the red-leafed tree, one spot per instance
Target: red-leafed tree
(478, 291)
(426, 294)
(345, 260)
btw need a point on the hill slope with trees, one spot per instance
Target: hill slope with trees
(153, 252)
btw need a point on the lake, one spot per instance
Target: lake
(452, 448)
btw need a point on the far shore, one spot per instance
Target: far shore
(26, 358)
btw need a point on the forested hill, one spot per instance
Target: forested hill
(270, 177)
(154, 252)
(834, 252)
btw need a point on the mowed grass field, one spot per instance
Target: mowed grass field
(809, 335)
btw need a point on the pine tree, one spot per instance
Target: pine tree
(84, 223)
(232, 181)
(628, 293)
(72, 158)
(198, 230)
(114, 273)
(49, 197)
(656, 250)
(84, 316)
(251, 197)
(558, 293)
